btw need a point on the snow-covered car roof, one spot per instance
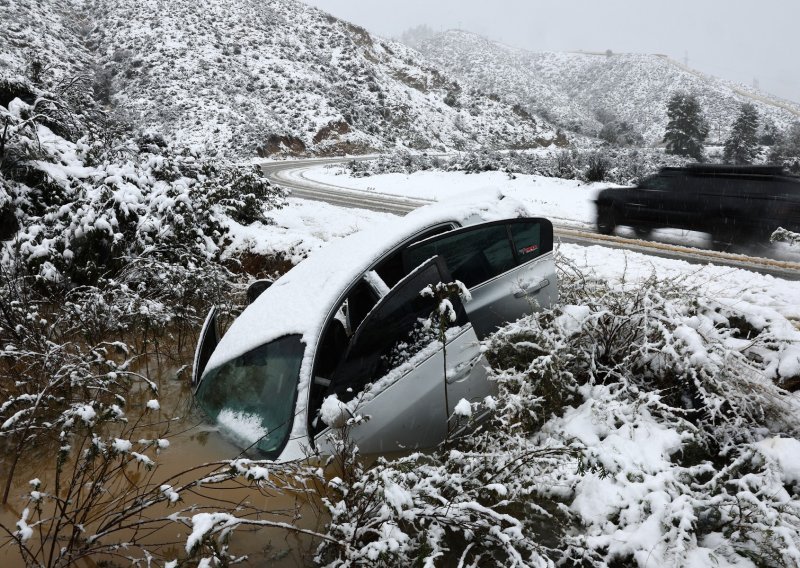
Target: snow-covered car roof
(299, 301)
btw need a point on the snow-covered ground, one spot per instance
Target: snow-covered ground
(568, 203)
(300, 227)
(565, 202)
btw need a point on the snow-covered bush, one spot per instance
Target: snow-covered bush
(597, 166)
(636, 423)
(673, 404)
(425, 509)
(85, 207)
(46, 371)
(782, 235)
(110, 264)
(616, 165)
(107, 497)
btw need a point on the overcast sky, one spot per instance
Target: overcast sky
(741, 40)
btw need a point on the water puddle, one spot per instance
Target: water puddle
(192, 442)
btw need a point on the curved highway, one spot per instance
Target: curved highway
(290, 174)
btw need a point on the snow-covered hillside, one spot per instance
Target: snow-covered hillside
(241, 77)
(49, 32)
(577, 90)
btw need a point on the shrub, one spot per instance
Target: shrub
(622, 165)
(243, 193)
(631, 426)
(597, 166)
(77, 228)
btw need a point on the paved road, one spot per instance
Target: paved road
(290, 174)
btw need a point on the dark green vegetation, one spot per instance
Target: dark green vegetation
(686, 129)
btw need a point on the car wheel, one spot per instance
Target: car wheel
(606, 219)
(757, 242)
(642, 232)
(723, 237)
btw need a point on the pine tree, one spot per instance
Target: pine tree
(790, 142)
(769, 134)
(741, 147)
(687, 128)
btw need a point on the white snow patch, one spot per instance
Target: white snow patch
(169, 493)
(786, 453)
(334, 412)
(86, 413)
(572, 318)
(24, 530)
(122, 446)
(463, 408)
(244, 426)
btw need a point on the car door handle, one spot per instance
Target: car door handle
(462, 370)
(528, 288)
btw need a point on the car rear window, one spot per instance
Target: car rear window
(527, 239)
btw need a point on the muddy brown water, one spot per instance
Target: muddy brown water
(193, 442)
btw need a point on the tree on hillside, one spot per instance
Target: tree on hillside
(790, 143)
(768, 134)
(786, 150)
(687, 129)
(741, 147)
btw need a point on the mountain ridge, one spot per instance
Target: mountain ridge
(571, 89)
(241, 78)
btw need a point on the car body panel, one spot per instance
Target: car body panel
(511, 295)
(511, 275)
(209, 338)
(407, 407)
(412, 410)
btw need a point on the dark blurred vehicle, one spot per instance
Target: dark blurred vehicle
(735, 204)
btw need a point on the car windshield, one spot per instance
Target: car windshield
(252, 397)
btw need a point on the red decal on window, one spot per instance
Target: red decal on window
(532, 248)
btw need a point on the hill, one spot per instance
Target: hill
(241, 77)
(582, 91)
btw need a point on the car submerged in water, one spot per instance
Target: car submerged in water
(352, 320)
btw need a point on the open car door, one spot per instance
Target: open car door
(507, 265)
(209, 337)
(393, 369)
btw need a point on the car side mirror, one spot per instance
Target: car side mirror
(256, 289)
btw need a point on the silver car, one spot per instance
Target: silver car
(351, 321)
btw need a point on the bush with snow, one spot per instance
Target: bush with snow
(79, 222)
(107, 500)
(616, 165)
(638, 422)
(111, 255)
(782, 235)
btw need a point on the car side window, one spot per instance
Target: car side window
(391, 269)
(655, 182)
(528, 241)
(473, 256)
(477, 254)
(392, 333)
(360, 301)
